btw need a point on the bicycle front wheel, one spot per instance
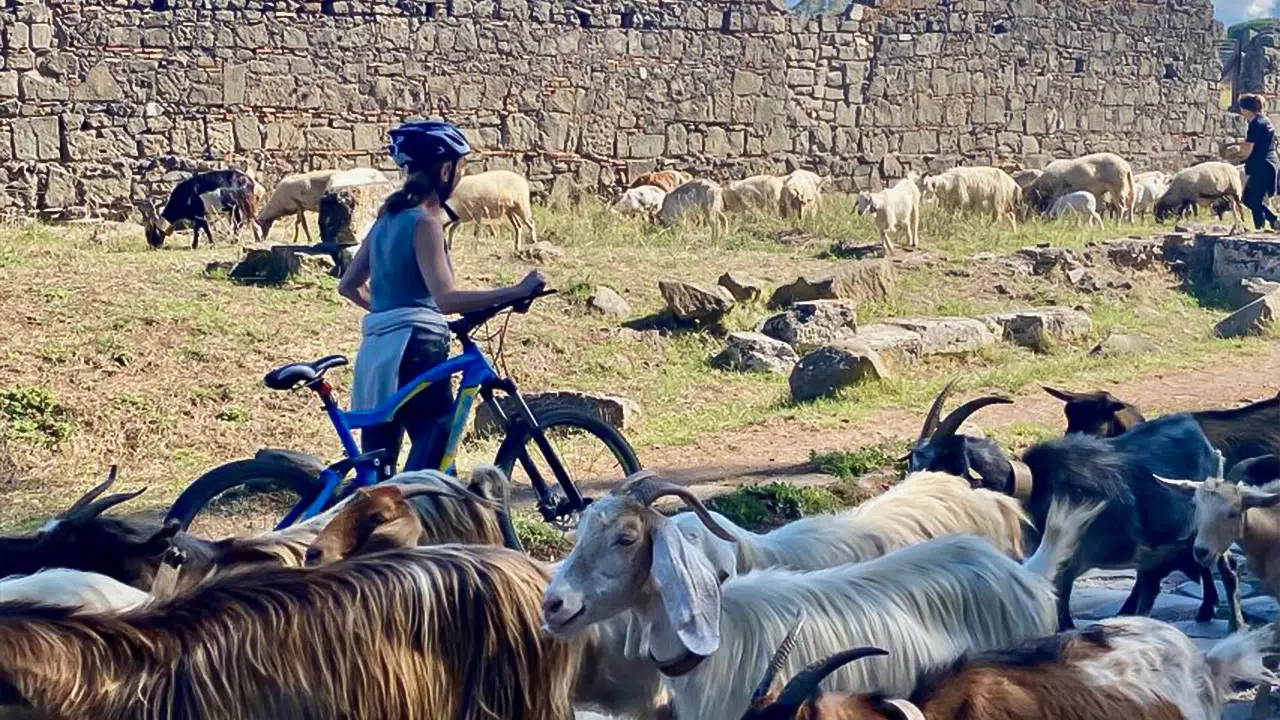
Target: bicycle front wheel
(242, 496)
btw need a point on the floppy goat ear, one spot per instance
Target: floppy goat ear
(688, 586)
(1186, 487)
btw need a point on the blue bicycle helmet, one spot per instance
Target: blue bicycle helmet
(420, 142)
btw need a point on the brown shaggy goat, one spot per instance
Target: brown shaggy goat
(667, 180)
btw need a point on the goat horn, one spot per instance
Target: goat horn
(931, 420)
(780, 657)
(1062, 395)
(95, 509)
(951, 424)
(901, 710)
(1243, 469)
(94, 493)
(804, 685)
(646, 487)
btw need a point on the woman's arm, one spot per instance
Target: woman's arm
(354, 284)
(428, 248)
(1246, 149)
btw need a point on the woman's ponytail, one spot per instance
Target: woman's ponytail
(419, 184)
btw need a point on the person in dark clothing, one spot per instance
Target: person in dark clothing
(1262, 164)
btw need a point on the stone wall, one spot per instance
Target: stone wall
(104, 103)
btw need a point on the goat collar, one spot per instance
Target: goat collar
(1022, 481)
(903, 709)
(682, 665)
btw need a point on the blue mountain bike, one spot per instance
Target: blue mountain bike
(536, 449)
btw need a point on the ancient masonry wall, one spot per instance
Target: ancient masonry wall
(104, 103)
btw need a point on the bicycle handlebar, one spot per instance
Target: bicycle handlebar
(463, 326)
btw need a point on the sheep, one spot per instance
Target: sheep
(301, 193)
(1081, 203)
(1105, 175)
(976, 189)
(185, 202)
(930, 602)
(1239, 433)
(441, 632)
(897, 210)
(923, 506)
(493, 195)
(762, 192)
(74, 589)
(696, 198)
(644, 201)
(1143, 525)
(1119, 668)
(1148, 188)
(1201, 184)
(666, 180)
(800, 195)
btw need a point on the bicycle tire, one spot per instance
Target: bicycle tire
(235, 474)
(622, 451)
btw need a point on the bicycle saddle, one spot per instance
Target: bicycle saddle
(288, 377)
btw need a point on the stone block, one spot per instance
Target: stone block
(620, 413)
(892, 342)
(754, 352)
(826, 370)
(41, 36)
(695, 304)
(8, 84)
(1043, 328)
(859, 281)
(742, 288)
(811, 324)
(746, 82)
(606, 301)
(246, 132)
(233, 85)
(35, 86)
(369, 137)
(947, 335)
(37, 138)
(1252, 319)
(330, 139)
(60, 188)
(99, 84)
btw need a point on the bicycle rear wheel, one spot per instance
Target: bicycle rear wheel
(242, 496)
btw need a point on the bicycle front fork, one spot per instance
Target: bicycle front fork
(524, 422)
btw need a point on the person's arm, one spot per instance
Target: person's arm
(1250, 140)
(428, 248)
(354, 284)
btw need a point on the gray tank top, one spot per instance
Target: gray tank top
(394, 278)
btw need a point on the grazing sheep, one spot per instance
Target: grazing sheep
(801, 194)
(929, 602)
(923, 506)
(696, 198)
(897, 210)
(1106, 175)
(73, 589)
(643, 201)
(301, 193)
(1119, 668)
(442, 632)
(1080, 203)
(1203, 184)
(1148, 188)
(758, 192)
(666, 180)
(976, 189)
(193, 198)
(493, 195)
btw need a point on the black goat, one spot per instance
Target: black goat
(1144, 524)
(196, 197)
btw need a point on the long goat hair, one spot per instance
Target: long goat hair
(440, 632)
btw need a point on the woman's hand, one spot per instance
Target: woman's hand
(533, 283)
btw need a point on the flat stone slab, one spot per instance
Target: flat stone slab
(947, 335)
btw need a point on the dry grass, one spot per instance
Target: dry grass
(151, 364)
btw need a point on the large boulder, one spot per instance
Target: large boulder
(1252, 319)
(754, 352)
(827, 369)
(858, 281)
(947, 335)
(607, 302)
(617, 412)
(742, 288)
(267, 265)
(692, 303)
(891, 342)
(808, 325)
(1042, 328)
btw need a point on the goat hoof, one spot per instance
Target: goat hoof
(1205, 614)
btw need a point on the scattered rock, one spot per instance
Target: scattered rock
(267, 265)
(891, 341)
(1083, 280)
(605, 300)
(1250, 289)
(1117, 344)
(541, 253)
(219, 266)
(1042, 328)
(1135, 254)
(742, 288)
(1002, 289)
(859, 281)
(947, 335)
(323, 264)
(754, 352)
(1045, 259)
(695, 304)
(617, 412)
(829, 368)
(1252, 319)
(808, 325)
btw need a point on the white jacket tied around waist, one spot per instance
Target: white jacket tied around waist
(386, 335)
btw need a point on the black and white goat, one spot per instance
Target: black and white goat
(200, 198)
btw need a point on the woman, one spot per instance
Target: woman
(1262, 163)
(403, 276)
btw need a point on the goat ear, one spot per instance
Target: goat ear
(1186, 487)
(688, 586)
(899, 710)
(1257, 499)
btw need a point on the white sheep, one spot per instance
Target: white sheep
(297, 194)
(923, 506)
(643, 201)
(1204, 184)
(493, 195)
(801, 194)
(897, 210)
(696, 198)
(1077, 203)
(86, 591)
(976, 189)
(1106, 175)
(762, 192)
(1148, 188)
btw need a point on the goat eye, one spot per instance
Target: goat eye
(313, 554)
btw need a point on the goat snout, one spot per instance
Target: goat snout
(560, 607)
(1203, 555)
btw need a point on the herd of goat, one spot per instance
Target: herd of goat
(1081, 187)
(400, 602)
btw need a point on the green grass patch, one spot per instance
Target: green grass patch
(33, 415)
(852, 464)
(538, 538)
(758, 507)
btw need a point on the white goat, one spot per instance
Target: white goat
(86, 591)
(976, 189)
(643, 201)
(925, 505)
(927, 604)
(762, 192)
(897, 210)
(1148, 188)
(493, 195)
(800, 194)
(696, 198)
(1081, 203)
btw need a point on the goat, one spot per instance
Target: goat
(1144, 525)
(897, 210)
(665, 180)
(931, 602)
(188, 202)
(438, 632)
(924, 506)
(1119, 668)
(74, 589)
